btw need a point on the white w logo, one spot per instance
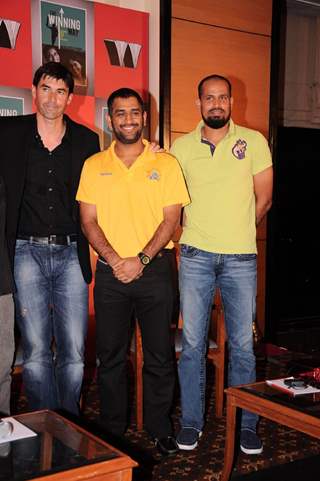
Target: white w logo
(122, 53)
(8, 33)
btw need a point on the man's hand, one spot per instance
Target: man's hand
(128, 269)
(155, 148)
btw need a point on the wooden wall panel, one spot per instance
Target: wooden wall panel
(175, 135)
(199, 50)
(248, 15)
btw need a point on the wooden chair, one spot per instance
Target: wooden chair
(18, 357)
(216, 354)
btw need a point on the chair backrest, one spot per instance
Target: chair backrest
(217, 329)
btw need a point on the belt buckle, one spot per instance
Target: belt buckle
(52, 239)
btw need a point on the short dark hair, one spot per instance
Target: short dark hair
(124, 93)
(214, 77)
(55, 70)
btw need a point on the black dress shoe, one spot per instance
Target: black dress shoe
(166, 446)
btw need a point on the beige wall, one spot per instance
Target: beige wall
(231, 38)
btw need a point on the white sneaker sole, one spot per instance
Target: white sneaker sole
(189, 447)
(251, 451)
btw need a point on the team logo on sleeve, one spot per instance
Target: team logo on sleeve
(154, 174)
(239, 149)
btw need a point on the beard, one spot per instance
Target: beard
(121, 137)
(215, 122)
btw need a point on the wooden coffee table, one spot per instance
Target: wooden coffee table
(62, 451)
(300, 412)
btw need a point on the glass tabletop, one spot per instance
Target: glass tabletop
(306, 403)
(58, 446)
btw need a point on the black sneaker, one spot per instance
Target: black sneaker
(188, 438)
(166, 446)
(250, 443)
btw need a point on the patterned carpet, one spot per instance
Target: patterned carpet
(281, 445)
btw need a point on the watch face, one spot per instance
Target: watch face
(145, 260)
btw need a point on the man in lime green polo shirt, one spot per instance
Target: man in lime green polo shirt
(228, 171)
(130, 205)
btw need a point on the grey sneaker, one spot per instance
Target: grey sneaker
(250, 443)
(188, 438)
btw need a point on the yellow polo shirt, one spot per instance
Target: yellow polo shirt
(130, 201)
(221, 215)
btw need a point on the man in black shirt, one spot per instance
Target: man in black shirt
(6, 312)
(41, 158)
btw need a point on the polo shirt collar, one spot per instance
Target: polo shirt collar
(139, 158)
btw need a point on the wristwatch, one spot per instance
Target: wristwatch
(144, 258)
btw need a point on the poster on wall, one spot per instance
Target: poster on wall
(63, 32)
(15, 43)
(101, 122)
(121, 49)
(105, 47)
(15, 101)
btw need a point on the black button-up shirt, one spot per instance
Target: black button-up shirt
(6, 281)
(46, 205)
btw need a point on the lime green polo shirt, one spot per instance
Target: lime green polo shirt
(130, 201)
(221, 215)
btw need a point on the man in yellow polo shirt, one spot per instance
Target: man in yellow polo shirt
(229, 177)
(130, 205)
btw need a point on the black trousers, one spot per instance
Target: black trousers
(150, 298)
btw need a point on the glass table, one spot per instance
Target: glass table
(300, 412)
(61, 451)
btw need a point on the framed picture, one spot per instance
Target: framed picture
(63, 32)
(15, 101)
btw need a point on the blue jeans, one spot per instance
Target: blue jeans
(200, 273)
(52, 303)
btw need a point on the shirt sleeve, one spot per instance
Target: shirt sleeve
(176, 152)
(175, 190)
(261, 155)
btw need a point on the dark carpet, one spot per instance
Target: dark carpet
(306, 469)
(287, 453)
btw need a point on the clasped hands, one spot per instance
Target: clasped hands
(128, 269)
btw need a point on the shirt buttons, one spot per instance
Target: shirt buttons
(50, 207)
(50, 189)
(50, 171)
